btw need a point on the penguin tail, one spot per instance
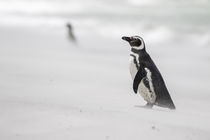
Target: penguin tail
(171, 106)
(166, 103)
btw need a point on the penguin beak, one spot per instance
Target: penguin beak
(126, 38)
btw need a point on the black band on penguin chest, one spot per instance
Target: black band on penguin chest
(136, 51)
(135, 61)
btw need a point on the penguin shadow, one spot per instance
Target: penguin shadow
(153, 108)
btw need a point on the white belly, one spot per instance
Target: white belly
(132, 67)
(147, 95)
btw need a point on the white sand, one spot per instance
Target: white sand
(51, 89)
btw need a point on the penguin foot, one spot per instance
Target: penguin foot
(148, 105)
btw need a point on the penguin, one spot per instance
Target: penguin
(70, 32)
(146, 77)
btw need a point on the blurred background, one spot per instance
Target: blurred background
(59, 82)
(112, 18)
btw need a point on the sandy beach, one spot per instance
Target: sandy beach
(52, 89)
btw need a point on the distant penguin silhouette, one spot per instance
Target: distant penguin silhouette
(71, 35)
(147, 79)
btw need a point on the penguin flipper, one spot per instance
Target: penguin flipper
(139, 76)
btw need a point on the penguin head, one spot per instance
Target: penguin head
(68, 25)
(135, 42)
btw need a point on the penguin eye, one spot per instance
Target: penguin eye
(133, 38)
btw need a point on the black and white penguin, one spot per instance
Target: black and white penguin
(70, 32)
(147, 79)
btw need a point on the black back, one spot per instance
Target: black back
(163, 97)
